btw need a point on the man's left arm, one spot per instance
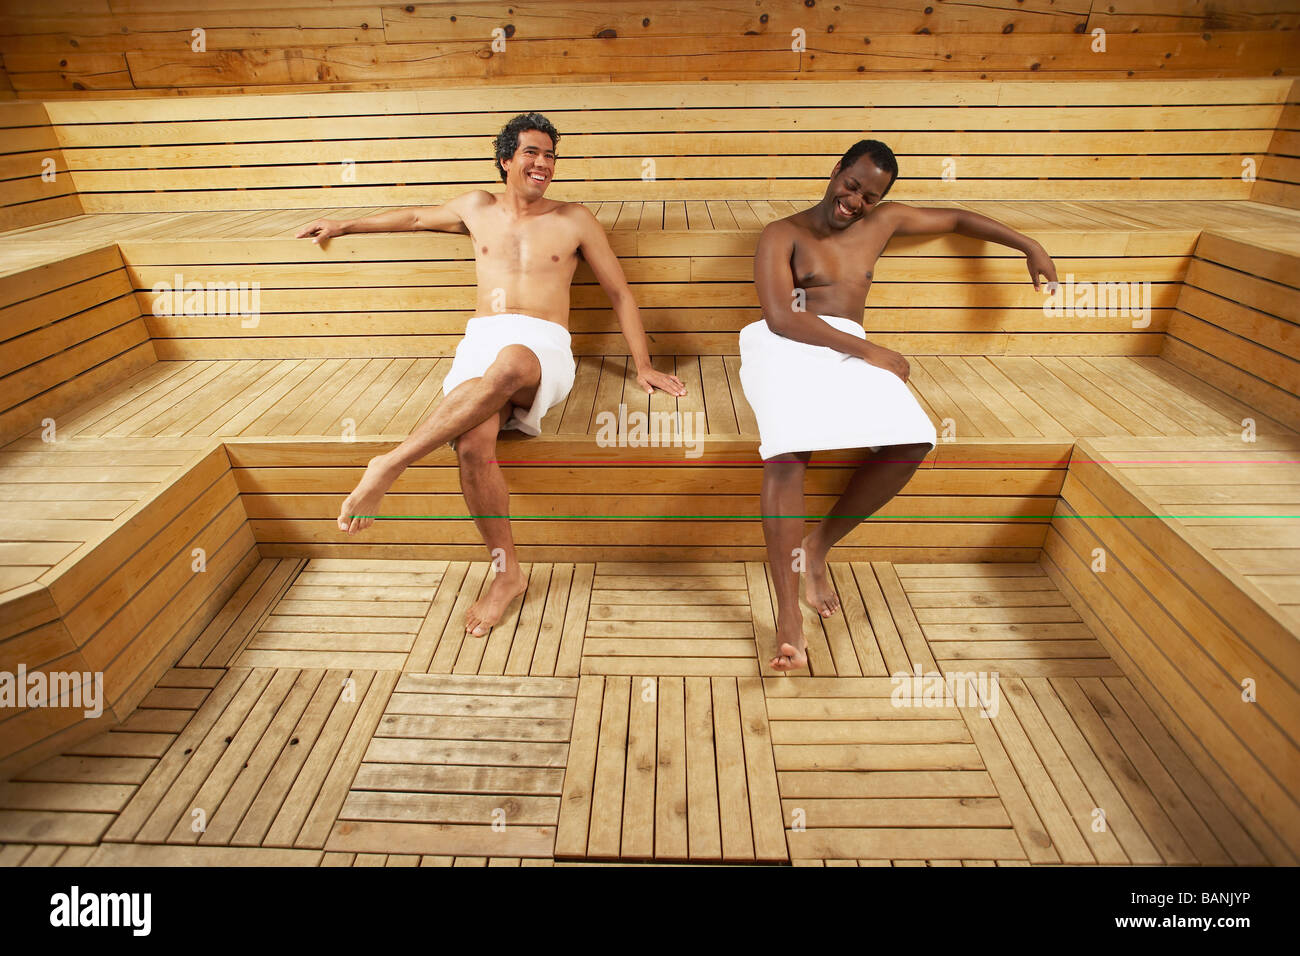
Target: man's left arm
(918, 220)
(595, 249)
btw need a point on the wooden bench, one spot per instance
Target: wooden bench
(113, 553)
(1196, 597)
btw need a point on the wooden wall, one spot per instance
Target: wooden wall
(27, 194)
(68, 330)
(1237, 324)
(1278, 176)
(82, 48)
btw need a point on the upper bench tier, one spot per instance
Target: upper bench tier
(1193, 139)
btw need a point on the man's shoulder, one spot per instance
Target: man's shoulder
(572, 210)
(786, 228)
(476, 197)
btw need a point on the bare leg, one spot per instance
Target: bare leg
(484, 487)
(881, 476)
(782, 496)
(513, 378)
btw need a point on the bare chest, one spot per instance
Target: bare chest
(836, 261)
(532, 245)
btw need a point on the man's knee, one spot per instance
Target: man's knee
(478, 446)
(913, 453)
(784, 469)
(514, 368)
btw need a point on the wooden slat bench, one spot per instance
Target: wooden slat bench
(1196, 596)
(114, 558)
(955, 140)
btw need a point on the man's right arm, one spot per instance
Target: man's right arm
(449, 217)
(776, 295)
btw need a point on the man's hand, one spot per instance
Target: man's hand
(650, 378)
(321, 229)
(1041, 264)
(887, 359)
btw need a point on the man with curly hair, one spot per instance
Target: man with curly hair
(515, 361)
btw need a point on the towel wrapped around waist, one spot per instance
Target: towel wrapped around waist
(487, 335)
(813, 398)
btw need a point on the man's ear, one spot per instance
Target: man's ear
(836, 171)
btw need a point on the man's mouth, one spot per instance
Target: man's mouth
(537, 177)
(844, 210)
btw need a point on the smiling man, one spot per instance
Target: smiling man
(515, 360)
(816, 383)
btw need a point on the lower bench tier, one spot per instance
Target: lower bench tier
(1190, 597)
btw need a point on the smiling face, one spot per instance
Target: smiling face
(852, 192)
(531, 168)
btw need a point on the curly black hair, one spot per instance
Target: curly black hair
(878, 152)
(507, 141)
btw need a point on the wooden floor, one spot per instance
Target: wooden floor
(335, 713)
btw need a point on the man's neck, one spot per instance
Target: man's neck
(819, 219)
(519, 207)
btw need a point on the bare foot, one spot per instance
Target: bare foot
(818, 589)
(487, 610)
(792, 649)
(364, 500)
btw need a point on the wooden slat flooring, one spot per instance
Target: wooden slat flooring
(462, 766)
(350, 744)
(75, 797)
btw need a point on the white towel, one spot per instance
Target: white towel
(487, 335)
(813, 398)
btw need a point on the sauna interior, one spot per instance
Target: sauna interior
(1109, 525)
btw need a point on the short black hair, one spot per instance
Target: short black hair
(878, 152)
(507, 141)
